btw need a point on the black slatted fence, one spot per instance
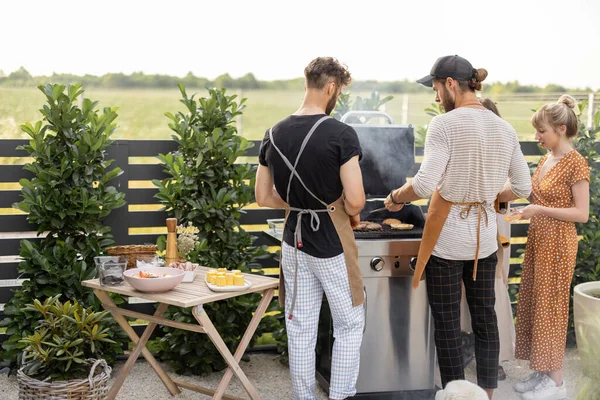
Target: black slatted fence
(132, 224)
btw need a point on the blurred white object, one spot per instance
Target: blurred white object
(188, 267)
(143, 261)
(276, 225)
(461, 390)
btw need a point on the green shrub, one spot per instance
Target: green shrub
(207, 189)
(421, 132)
(67, 200)
(587, 268)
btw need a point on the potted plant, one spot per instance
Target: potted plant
(63, 357)
(586, 280)
(588, 341)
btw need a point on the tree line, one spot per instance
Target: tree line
(139, 80)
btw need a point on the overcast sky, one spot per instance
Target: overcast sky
(535, 42)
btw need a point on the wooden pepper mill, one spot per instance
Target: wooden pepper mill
(172, 254)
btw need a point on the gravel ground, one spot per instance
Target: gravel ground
(272, 379)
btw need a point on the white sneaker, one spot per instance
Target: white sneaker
(528, 384)
(546, 390)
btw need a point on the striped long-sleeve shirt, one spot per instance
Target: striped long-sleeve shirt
(469, 155)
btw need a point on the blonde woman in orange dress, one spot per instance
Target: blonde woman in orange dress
(560, 197)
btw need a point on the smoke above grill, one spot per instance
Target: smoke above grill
(388, 156)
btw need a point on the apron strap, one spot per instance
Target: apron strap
(315, 221)
(293, 167)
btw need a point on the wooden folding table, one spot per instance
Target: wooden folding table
(192, 294)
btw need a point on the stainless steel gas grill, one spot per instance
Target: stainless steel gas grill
(397, 352)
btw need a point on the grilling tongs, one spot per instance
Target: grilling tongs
(382, 208)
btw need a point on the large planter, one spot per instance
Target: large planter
(586, 304)
(94, 388)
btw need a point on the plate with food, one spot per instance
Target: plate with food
(188, 267)
(514, 215)
(154, 279)
(222, 280)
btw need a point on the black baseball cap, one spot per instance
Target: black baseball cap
(454, 67)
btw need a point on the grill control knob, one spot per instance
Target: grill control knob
(377, 264)
(413, 263)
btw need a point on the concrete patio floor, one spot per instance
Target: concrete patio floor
(272, 380)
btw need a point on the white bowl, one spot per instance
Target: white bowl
(173, 278)
(189, 276)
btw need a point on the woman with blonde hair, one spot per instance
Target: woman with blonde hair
(560, 197)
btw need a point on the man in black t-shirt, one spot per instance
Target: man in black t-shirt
(309, 166)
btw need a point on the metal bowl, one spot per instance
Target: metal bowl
(162, 284)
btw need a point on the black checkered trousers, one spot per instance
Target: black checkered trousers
(444, 279)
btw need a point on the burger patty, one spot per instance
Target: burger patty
(364, 226)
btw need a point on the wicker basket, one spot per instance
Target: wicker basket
(94, 387)
(131, 252)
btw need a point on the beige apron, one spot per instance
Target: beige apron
(438, 211)
(341, 222)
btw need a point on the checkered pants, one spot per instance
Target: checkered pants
(444, 279)
(315, 277)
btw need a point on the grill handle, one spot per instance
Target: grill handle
(413, 264)
(367, 114)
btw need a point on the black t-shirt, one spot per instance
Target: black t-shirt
(332, 144)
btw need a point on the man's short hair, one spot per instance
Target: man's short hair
(322, 70)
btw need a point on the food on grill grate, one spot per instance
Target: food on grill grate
(391, 221)
(364, 226)
(402, 227)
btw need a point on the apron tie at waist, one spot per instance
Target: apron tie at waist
(315, 223)
(439, 209)
(464, 214)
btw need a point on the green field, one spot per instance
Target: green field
(141, 112)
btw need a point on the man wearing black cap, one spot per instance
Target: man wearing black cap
(469, 154)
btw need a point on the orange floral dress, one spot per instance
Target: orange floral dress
(550, 256)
